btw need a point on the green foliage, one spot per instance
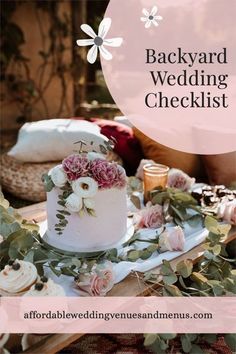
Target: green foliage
(178, 206)
(48, 183)
(213, 275)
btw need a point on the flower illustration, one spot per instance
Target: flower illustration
(98, 41)
(150, 17)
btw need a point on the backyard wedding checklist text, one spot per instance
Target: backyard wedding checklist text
(212, 86)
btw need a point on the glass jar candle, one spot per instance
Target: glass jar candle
(154, 175)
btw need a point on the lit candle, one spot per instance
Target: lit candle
(155, 175)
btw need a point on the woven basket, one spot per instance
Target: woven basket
(23, 180)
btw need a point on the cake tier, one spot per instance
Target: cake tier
(89, 233)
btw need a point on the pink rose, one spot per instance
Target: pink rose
(179, 179)
(227, 211)
(150, 217)
(107, 174)
(172, 239)
(98, 282)
(139, 172)
(75, 166)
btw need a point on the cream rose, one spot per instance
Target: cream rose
(179, 179)
(1, 239)
(149, 217)
(97, 283)
(85, 187)
(139, 172)
(58, 176)
(89, 203)
(227, 211)
(172, 239)
(73, 203)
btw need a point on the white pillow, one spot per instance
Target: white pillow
(54, 139)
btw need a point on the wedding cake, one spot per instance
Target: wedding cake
(86, 204)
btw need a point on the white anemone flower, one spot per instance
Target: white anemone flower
(85, 187)
(58, 176)
(98, 41)
(73, 203)
(151, 17)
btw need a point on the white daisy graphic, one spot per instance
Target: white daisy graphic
(98, 41)
(151, 17)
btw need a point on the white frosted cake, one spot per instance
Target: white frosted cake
(86, 204)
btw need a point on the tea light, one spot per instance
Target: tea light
(154, 175)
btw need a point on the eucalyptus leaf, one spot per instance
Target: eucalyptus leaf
(170, 279)
(136, 201)
(145, 254)
(48, 183)
(7, 229)
(172, 290)
(150, 338)
(186, 343)
(185, 268)
(30, 226)
(166, 268)
(178, 212)
(210, 223)
(210, 338)
(195, 220)
(216, 249)
(133, 255)
(168, 336)
(56, 271)
(29, 256)
(230, 340)
(199, 278)
(196, 349)
(135, 236)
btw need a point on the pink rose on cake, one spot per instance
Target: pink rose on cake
(172, 239)
(98, 282)
(179, 179)
(227, 211)
(75, 166)
(150, 217)
(107, 174)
